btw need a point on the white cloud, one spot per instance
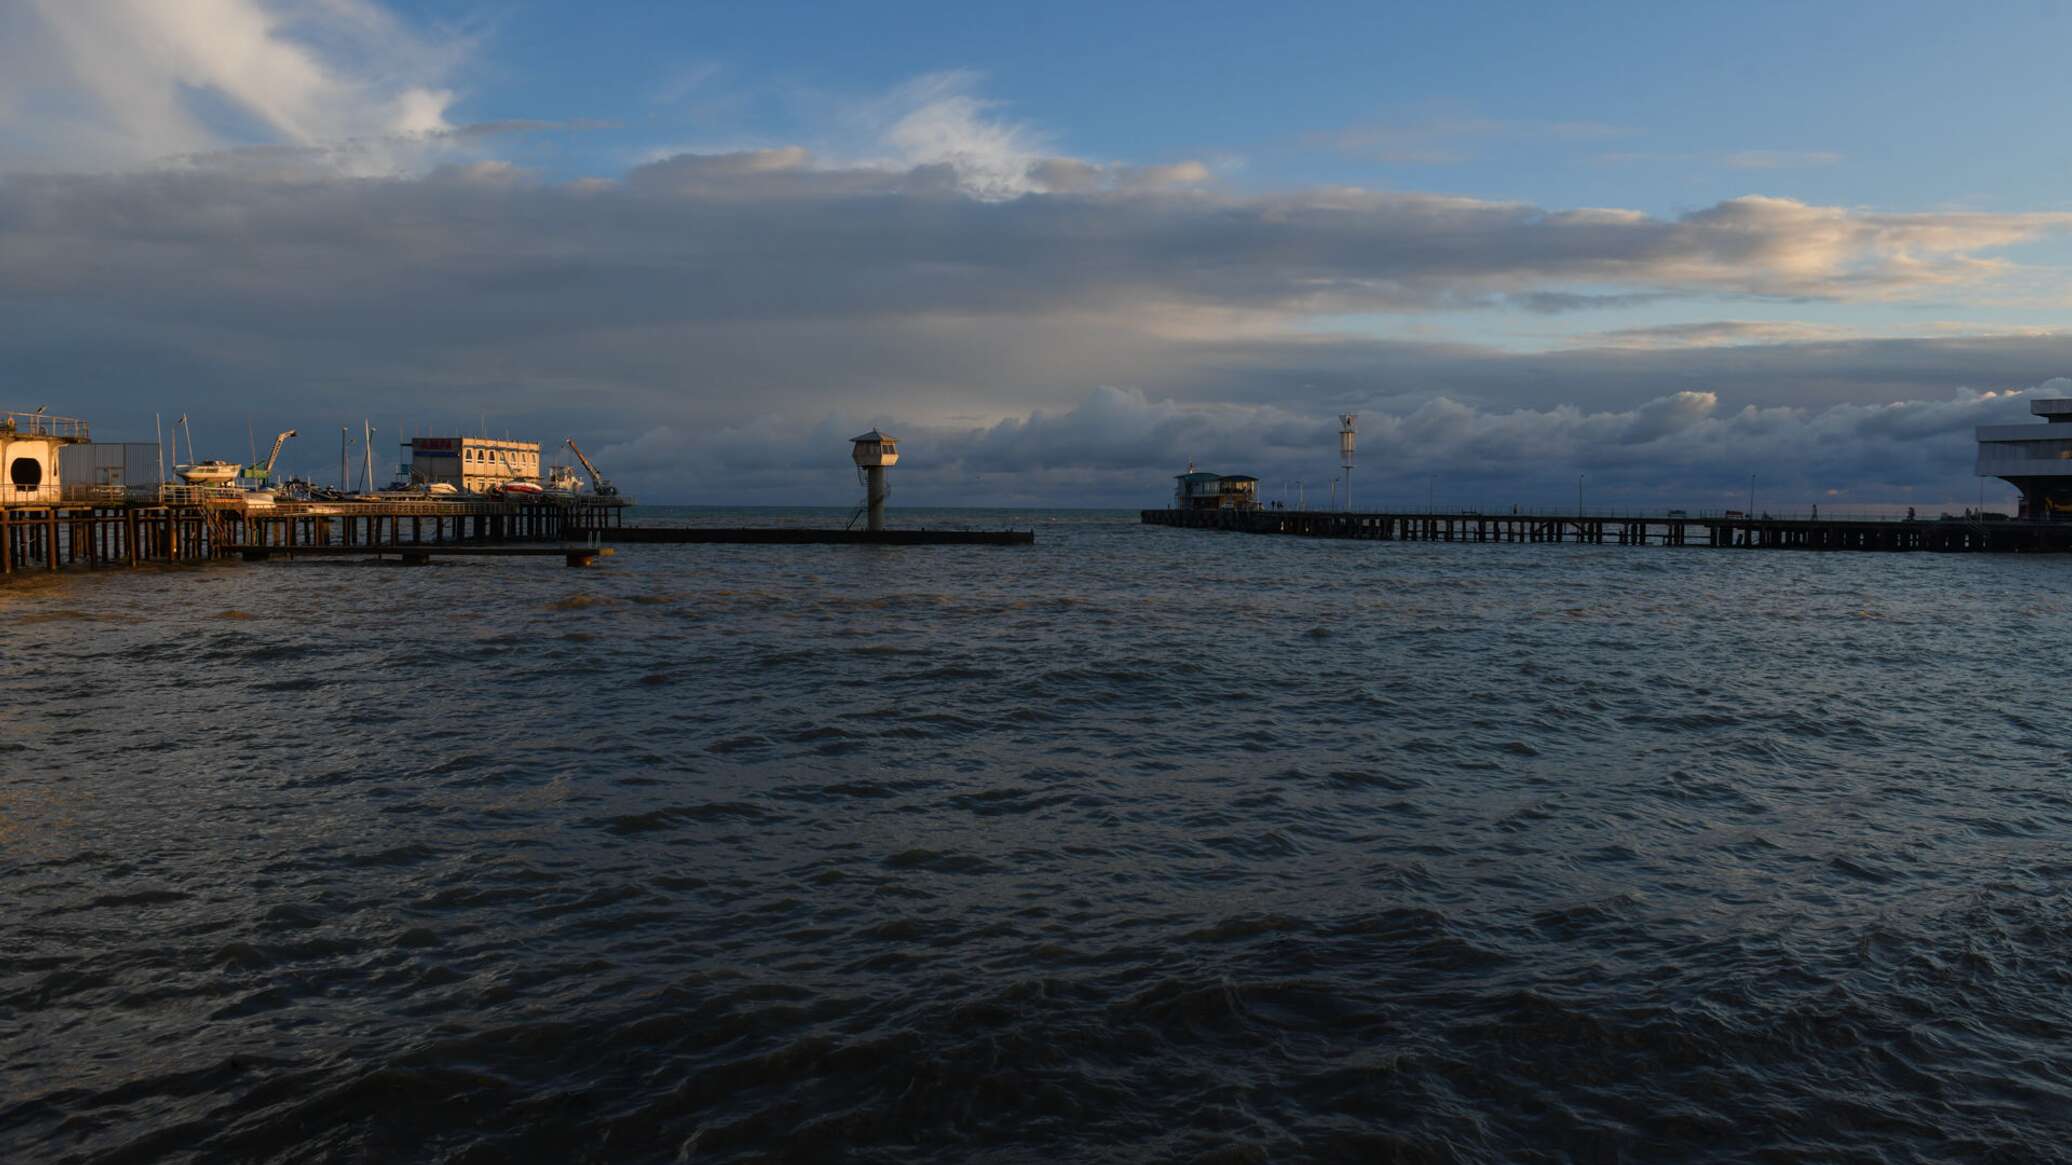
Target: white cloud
(939, 123)
(127, 82)
(943, 123)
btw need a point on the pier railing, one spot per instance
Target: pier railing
(30, 494)
(39, 424)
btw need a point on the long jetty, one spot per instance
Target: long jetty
(821, 536)
(104, 526)
(1710, 530)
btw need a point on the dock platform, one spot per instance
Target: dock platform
(1720, 531)
(419, 553)
(813, 536)
(94, 526)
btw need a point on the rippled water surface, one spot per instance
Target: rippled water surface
(1139, 844)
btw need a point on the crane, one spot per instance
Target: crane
(264, 473)
(603, 488)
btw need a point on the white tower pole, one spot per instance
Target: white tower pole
(1345, 453)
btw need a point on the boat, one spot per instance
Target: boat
(260, 499)
(216, 472)
(520, 489)
(562, 484)
(418, 491)
(209, 472)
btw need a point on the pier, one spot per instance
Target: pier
(816, 536)
(101, 526)
(1719, 531)
(495, 502)
(420, 553)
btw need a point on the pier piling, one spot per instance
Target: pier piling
(97, 527)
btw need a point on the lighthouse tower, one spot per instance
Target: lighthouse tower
(873, 452)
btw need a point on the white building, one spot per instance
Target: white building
(474, 464)
(2035, 459)
(29, 446)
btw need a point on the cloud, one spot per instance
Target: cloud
(1717, 333)
(940, 121)
(939, 124)
(771, 236)
(123, 82)
(779, 298)
(1120, 446)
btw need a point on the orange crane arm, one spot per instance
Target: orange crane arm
(597, 481)
(275, 456)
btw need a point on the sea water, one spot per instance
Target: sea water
(1137, 844)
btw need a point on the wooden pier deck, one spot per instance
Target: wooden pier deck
(1720, 531)
(92, 526)
(101, 527)
(419, 553)
(811, 536)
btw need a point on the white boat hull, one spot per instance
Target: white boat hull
(209, 473)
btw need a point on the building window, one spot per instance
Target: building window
(26, 471)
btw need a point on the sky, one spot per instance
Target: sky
(1063, 251)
